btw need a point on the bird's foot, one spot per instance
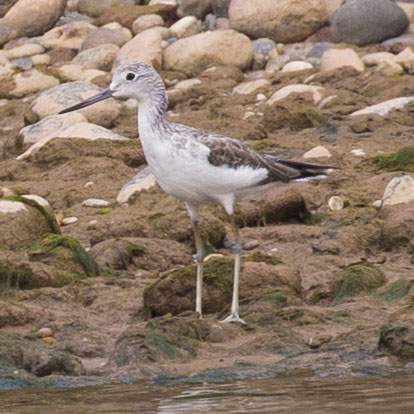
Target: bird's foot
(233, 317)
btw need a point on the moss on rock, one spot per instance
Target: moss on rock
(397, 290)
(54, 247)
(355, 279)
(403, 159)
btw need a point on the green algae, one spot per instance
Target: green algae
(403, 159)
(397, 290)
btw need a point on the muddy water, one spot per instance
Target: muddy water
(311, 396)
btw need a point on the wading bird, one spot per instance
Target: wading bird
(195, 165)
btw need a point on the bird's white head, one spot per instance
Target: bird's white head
(138, 81)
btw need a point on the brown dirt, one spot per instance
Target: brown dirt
(90, 316)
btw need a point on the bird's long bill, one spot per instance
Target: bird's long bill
(105, 94)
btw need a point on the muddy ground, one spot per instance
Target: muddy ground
(323, 292)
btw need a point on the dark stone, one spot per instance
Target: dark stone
(221, 7)
(197, 8)
(362, 22)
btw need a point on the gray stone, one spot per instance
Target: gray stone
(221, 7)
(361, 22)
(104, 35)
(263, 46)
(197, 8)
(95, 8)
(55, 99)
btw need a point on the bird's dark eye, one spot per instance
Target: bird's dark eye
(130, 76)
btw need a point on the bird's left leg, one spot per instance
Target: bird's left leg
(237, 250)
(199, 257)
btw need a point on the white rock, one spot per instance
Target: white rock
(247, 88)
(385, 107)
(95, 202)
(186, 26)
(187, 83)
(359, 152)
(377, 203)
(89, 184)
(69, 220)
(390, 68)
(282, 93)
(39, 200)
(52, 125)
(295, 66)
(399, 190)
(317, 152)
(169, 2)
(336, 203)
(32, 81)
(374, 59)
(260, 97)
(28, 49)
(92, 224)
(8, 206)
(141, 181)
(82, 130)
(338, 58)
(44, 332)
(42, 59)
(406, 59)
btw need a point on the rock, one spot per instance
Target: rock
(31, 82)
(220, 8)
(22, 220)
(359, 152)
(317, 152)
(282, 93)
(186, 26)
(103, 35)
(95, 203)
(406, 60)
(63, 96)
(95, 8)
(187, 83)
(50, 126)
(399, 190)
(247, 88)
(82, 130)
(43, 15)
(385, 107)
(5, 6)
(69, 220)
(144, 47)
(263, 46)
(146, 22)
(355, 22)
(355, 279)
(194, 54)
(28, 49)
(375, 59)
(397, 336)
(141, 181)
(6, 68)
(336, 203)
(398, 44)
(338, 58)
(281, 20)
(295, 66)
(44, 332)
(197, 8)
(99, 57)
(175, 292)
(43, 59)
(68, 36)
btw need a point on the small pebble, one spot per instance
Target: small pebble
(250, 244)
(377, 203)
(92, 224)
(336, 203)
(69, 220)
(359, 152)
(44, 332)
(89, 184)
(95, 202)
(260, 97)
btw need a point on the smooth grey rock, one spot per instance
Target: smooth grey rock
(361, 22)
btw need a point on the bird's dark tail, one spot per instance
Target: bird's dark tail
(300, 171)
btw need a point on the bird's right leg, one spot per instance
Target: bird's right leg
(199, 257)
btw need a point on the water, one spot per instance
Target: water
(311, 396)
